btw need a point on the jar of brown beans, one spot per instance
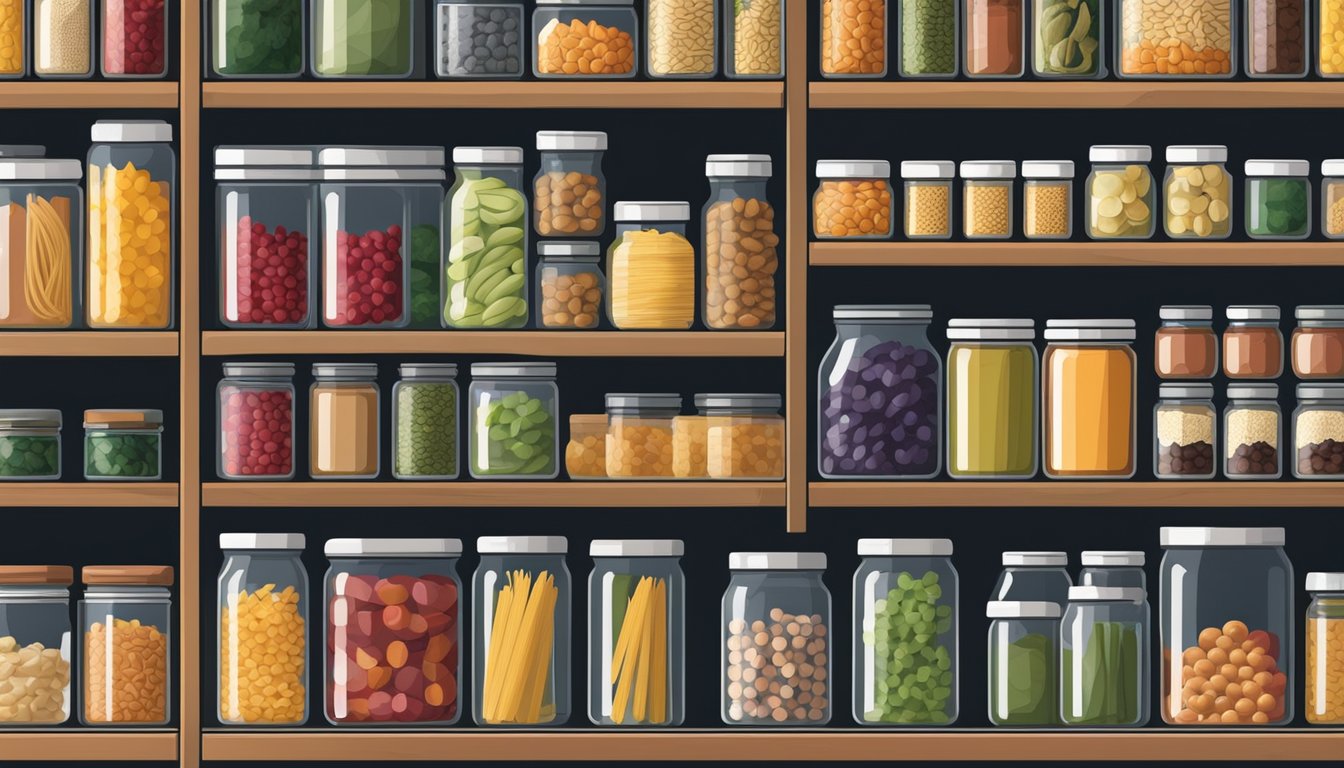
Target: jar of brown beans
(740, 244)
(853, 200)
(639, 434)
(744, 436)
(570, 193)
(570, 284)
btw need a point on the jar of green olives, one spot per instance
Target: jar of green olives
(30, 444)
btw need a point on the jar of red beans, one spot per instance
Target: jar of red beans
(267, 211)
(135, 34)
(256, 422)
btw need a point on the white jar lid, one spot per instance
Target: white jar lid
(1111, 558)
(1221, 537)
(261, 541)
(488, 155)
(1333, 167)
(1021, 609)
(1322, 581)
(928, 169)
(1106, 595)
(1253, 392)
(1036, 558)
(131, 131)
(988, 169)
(905, 547)
(1277, 167)
(525, 370)
(569, 248)
(522, 545)
(1185, 391)
(991, 329)
(40, 169)
(637, 548)
(1120, 153)
(743, 166)
(393, 547)
(585, 141)
(1112, 329)
(1186, 312)
(1319, 312)
(381, 157)
(1320, 391)
(1253, 312)
(777, 561)
(263, 156)
(882, 312)
(1197, 153)
(651, 210)
(1047, 169)
(853, 169)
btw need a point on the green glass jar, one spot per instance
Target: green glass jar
(993, 375)
(30, 444)
(1278, 199)
(123, 444)
(256, 38)
(365, 38)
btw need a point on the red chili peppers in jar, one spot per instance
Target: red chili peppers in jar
(369, 268)
(133, 38)
(256, 421)
(271, 274)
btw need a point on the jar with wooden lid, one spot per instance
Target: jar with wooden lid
(35, 644)
(125, 667)
(1252, 343)
(1186, 346)
(344, 434)
(123, 444)
(1318, 342)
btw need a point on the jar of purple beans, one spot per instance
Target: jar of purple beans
(881, 386)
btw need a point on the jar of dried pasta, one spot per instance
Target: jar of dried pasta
(1047, 199)
(41, 239)
(586, 451)
(744, 436)
(928, 198)
(639, 434)
(651, 267)
(690, 438)
(853, 200)
(987, 199)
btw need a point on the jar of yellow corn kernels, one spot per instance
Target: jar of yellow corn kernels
(586, 452)
(690, 442)
(987, 202)
(263, 630)
(1047, 199)
(928, 198)
(1325, 649)
(639, 434)
(744, 436)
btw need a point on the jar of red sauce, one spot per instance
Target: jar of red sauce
(1318, 342)
(1252, 343)
(1186, 346)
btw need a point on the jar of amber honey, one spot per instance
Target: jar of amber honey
(1186, 346)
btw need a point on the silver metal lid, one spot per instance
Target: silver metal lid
(738, 166)
(882, 312)
(1191, 391)
(758, 401)
(1320, 391)
(1253, 312)
(40, 169)
(518, 370)
(1253, 391)
(1322, 581)
(345, 370)
(551, 248)
(130, 132)
(1319, 312)
(522, 545)
(488, 155)
(853, 169)
(393, 547)
(651, 210)
(428, 370)
(250, 370)
(30, 418)
(777, 561)
(1103, 329)
(640, 401)
(991, 329)
(569, 141)
(637, 548)
(1185, 312)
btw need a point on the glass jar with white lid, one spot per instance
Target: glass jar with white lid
(569, 192)
(1185, 430)
(1278, 199)
(1034, 577)
(485, 256)
(1325, 644)
(42, 218)
(1185, 346)
(853, 200)
(993, 398)
(987, 198)
(1105, 658)
(1332, 198)
(1121, 196)
(1197, 193)
(651, 267)
(740, 244)
(928, 198)
(1253, 433)
(1047, 199)
(1252, 342)
(1318, 341)
(1090, 401)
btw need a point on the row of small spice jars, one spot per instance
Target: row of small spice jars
(124, 623)
(119, 444)
(1186, 346)
(132, 36)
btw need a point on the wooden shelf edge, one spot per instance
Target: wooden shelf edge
(1064, 493)
(127, 494)
(88, 94)
(66, 744)
(471, 494)
(88, 344)
(542, 343)
(1074, 254)
(617, 94)
(855, 94)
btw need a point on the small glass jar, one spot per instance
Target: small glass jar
(135, 39)
(15, 27)
(63, 39)
(427, 441)
(776, 605)
(1034, 577)
(1318, 342)
(1252, 342)
(1252, 433)
(1090, 399)
(682, 38)
(1332, 185)
(987, 197)
(993, 400)
(263, 619)
(1114, 568)
(854, 39)
(690, 441)
(1197, 193)
(1278, 199)
(1068, 39)
(485, 264)
(30, 444)
(366, 41)
(35, 644)
(479, 40)
(255, 403)
(569, 191)
(1047, 195)
(234, 25)
(637, 633)
(1185, 346)
(905, 633)
(1120, 192)
(853, 200)
(651, 267)
(1227, 599)
(1325, 648)
(1185, 428)
(512, 419)
(1105, 659)
(994, 39)
(1182, 40)
(125, 664)
(1023, 663)
(1318, 432)
(123, 444)
(928, 198)
(520, 631)
(744, 436)
(1329, 25)
(343, 408)
(1277, 38)
(393, 624)
(740, 244)
(586, 452)
(42, 218)
(561, 26)
(639, 435)
(570, 284)
(754, 40)
(927, 39)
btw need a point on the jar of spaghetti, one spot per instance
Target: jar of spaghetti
(1318, 342)
(639, 434)
(343, 409)
(1186, 346)
(1252, 343)
(651, 267)
(690, 441)
(256, 422)
(586, 452)
(41, 237)
(853, 38)
(744, 436)
(928, 198)
(1090, 402)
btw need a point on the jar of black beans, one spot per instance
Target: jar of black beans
(478, 39)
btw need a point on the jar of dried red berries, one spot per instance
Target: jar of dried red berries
(256, 422)
(135, 35)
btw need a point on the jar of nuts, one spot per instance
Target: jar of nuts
(1047, 199)
(570, 284)
(35, 644)
(1318, 432)
(639, 434)
(754, 39)
(682, 38)
(740, 244)
(569, 192)
(585, 39)
(853, 200)
(1198, 193)
(776, 655)
(586, 451)
(125, 667)
(744, 436)
(987, 199)
(690, 438)
(928, 198)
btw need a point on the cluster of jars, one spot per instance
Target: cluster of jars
(120, 444)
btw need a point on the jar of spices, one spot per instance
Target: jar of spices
(776, 604)
(123, 444)
(1332, 186)
(995, 38)
(30, 444)
(854, 39)
(520, 632)
(512, 413)
(367, 40)
(690, 441)
(881, 391)
(1184, 425)
(570, 284)
(1278, 199)
(639, 435)
(1318, 342)
(35, 644)
(63, 39)
(1186, 346)
(255, 403)
(479, 40)
(1023, 663)
(905, 633)
(1114, 568)
(928, 39)
(754, 39)
(15, 26)
(740, 244)
(42, 221)
(560, 27)
(993, 405)
(569, 191)
(1034, 576)
(135, 34)
(1181, 39)
(1276, 38)
(1105, 658)
(853, 200)
(1120, 192)
(651, 267)
(1198, 193)
(744, 436)
(928, 198)
(343, 406)
(682, 38)
(263, 610)
(987, 202)
(234, 26)
(426, 443)
(1090, 401)
(1252, 343)
(586, 452)
(1047, 196)
(1253, 432)
(637, 633)
(1067, 39)
(1318, 432)
(486, 258)
(1325, 649)
(126, 617)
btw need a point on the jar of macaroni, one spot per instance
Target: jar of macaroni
(854, 39)
(928, 198)
(1047, 199)
(512, 410)
(343, 407)
(123, 444)
(41, 240)
(754, 40)
(1178, 39)
(35, 652)
(263, 630)
(1252, 342)
(126, 618)
(993, 401)
(987, 198)
(30, 444)
(690, 441)
(1252, 433)
(255, 403)
(1120, 192)
(853, 200)
(1318, 342)
(1185, 346)
(1198, 193)
(569, 192)
(682, 38)
(639, 434)
(426, 441)
(585, 39)
(744, 436)
(1318, 432)
(740, 244)
(586, 452)
(1325, 649)
(485, 256)
(1278, 199)
(1089, 399)
(1184, 426)
(1332, 185)
(570, 284)
(651, 267)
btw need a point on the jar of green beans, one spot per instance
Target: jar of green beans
(30, 444)
(424, 412)
(1105, 658)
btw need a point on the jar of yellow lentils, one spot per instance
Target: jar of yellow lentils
(1332, 193)
(639, 435)
(1047, 199)
(987, 202)
(263, 630)
(690, 439)
(132, 176)
(928, 198)
(1325, 649)
(744, 436)
(586, 451)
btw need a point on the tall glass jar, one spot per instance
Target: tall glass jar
(562, 26)
(1227, 604)
(1325, 649)
(1185, 346)
(854, 39)
(485, 261)
(744, 436)
(1047, 196)
(1090, 399)
(1113, 568)
(569, 192)
(15, 27)
(987, 197)
(1023, 663)
(520, 631)
(1197, 193)
(776, 608)
(993, 406)
(125, 669)
(1068, 39)
(513, 410)
(263, 619)
(651, 267)
(30, 444)
(1318, 342)
(479, 40)
(1034, 577)
(1318, 432)
(367, 39)
(928, 39)
(42, 218)
(1182, 39)
(63, 33)
(928, 198)
(905, 633)
(426, 441)
(636, 633)
(1105, 659)
(35, 644)
(135, 39)
(1185, 428)
(866, 426)
(1121, 196)
(393, 618)
(123, 444)
(234, 26)
(682, 38)
(639, 435)
(740, 244)
(1278, 199)
(255, 407)
(1252, 342)
(994, 38)
(754, 39)
(1277, 38)
(1252, 433)
(570, 284)
(343, 408)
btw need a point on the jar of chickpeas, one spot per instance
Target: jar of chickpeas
(639, 434)
(744, 436)
(853, 200)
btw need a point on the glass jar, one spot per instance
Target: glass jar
(651, 267)
(1329, 24)
(993, 405)
(393, 617)
(30, 444)
(586, 452)
(928, 197)
(126, 657)
(1318, 342)
(739, 237)
(570, 284)
(255, 403)
(853, 39)
(427, 441)
(1184, 423)
(42, 218)
(1332, 186)
(905, 633)
(266, 204)
(479, 41)
(1023, 663)
(1114, 568)
(1276, 38)
(1252, 343)
(263, 609)
(995, 36)
(1318, 432)
(1090, 400)
(744, 436)
(343, 407)
(987, 196)
(754, 40)
(520, 631)
(502, 396)
(366, 39)
(1185, 346)
(485, 264)
(135, 35)
(639, 435)
(35, 643)
(682, 38)
(560, 26)
(865, 426)
(1067, 39)
(1034, 577)
(1120, 192)
(1278, 199)
(1184, 39)
(636, 633)
(14, 30)
(776, 605)
(1105, 659)
(1325, 649)
(569, 192)
(1047, 194)
(1198, 193)
(1227, 600)
(1253, 432)
(853, 200)
(136, 225)
(63, 39)
(928, 39)
(234, 27)
(690, 441)
(123, 444)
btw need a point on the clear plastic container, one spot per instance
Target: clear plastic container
(569, 192)
(1332, 185)
(928, 198)
(1185, 427)
(1227, 600)
(928, 39)
(1278, 199)
(1024, 663)
(690, 441)
(1047, 195)
(1318, 432)
(367, 39)
(1252, 342)
(639, 435)
(1090, 399)
(1177, 40)
(30, 444)
(125, 663)
(651, 267)
(42, 227)
(1325, 649)
(987, 197)
(1105, 658)
(570, 284)
(1277, 38)
(637, 633)
(35, 644)
(501, 396)
(123, 444)
(740, 244)
(1121, 196)
(345, 426)
(1253, 433)
(1113, 568)
(1068, 39)
(994, 35)
(63, 33)
(682, 38)
(15, 28)
(586, 452)
(993, 401)
(560, 26)
(853, 200)
(135, 39)
(1318, 342)
(234, 26)
(744, 436)
(1185, 346)
(255, 403)
(1034, 577)
(776, 605)
(485, 264)
(426, 440)
(479, 41)
(854, 39)
(754, 40)
(1197, 193)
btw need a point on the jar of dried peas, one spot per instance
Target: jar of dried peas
(1325, 649)
(639, 434)
(853, 200)
(928, 198)
(744, 436)
(125, 667)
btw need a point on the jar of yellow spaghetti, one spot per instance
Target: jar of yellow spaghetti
(1090, 379)
(651, 267)
(41, 226)
(132, 171)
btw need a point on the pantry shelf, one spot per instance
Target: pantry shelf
(1074, 95)
(470, 494)
(1064, 493)
(129, 494)
(1074, 254)
(89, 344)
(66, 744)
(543, 343)
(49, 94)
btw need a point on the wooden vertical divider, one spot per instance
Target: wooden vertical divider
(795, 251)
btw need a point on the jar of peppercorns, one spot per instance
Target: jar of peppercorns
(744, 436)
(569, 192)
(639, 434)
(256, 422)
(125, 652)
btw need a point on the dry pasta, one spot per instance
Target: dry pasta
(517, 669)
(652, 281)
(46, 280)
(639, 665)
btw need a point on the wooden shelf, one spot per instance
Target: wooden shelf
(439, 94)
(823, 745)
(1074, 254)
(88, 344)
(1001, 94)
(127, 494)
(1065, 493)
(540, 343)
(86, 94)
(83, 745)
(518, 493)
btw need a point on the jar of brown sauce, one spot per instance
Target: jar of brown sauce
(1252, 343)
(1186, 345)
(1318, 342)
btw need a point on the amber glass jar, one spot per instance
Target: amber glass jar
(1186, 346)
(1252, 343)
(1318, 342)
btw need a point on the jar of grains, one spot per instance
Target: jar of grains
(651, 267)
(125, 668)
(1318, 342)
(987, 198)
(1184, 426)
(1252, 343)
(1332, 185)
(63, 38)
(30, 444)
(682, 38)
(512, 413)
(569, 191)
(1278, 199)
(1047, 197)
(927, 39)
(740, 244)
(1252, 433)
(1198, 193)
(586, 452)
(485, 264)
(1023, 663)
(1089, 398)
(1318, 432)
(479, 40)
(744, 436)
(134, 35)
(754, 36)
(1177, 39)
(256, 422)
(995, 35)
(639, 434)
(993, 405)
(690, 441)
(426, 442)
(853, 200)
(343, 408)
(1067, 39)
(1325, 649)
(123, 444)
(928, 198)
(1120, 192)
(235, 26)
(570, 284)
(367, 39)
(561, 27)
(853, 38)
(35, 644)
(1105, 658)
(41, 242)
(1276, 35)
(1185, 346)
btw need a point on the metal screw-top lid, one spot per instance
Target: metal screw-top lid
(1253, 391)
(754, 401)
(738, 166)
(262, 541)
(516, 370)
(576, 248)
(1103, 329)
(1053, 559)
(637, 548)
(882, 312)
(1185, 312)
(488, 155)
(40, 169)
(1190, 391)
(251, 370)
(1277, 167)
(522, 545)
(30, 418)
(853, 169)
(345, 371)
(777, 561)
(573, 141)
(651, 210)
(1321, 581)
(428, 370)
(622, 401)
(1253, 312)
